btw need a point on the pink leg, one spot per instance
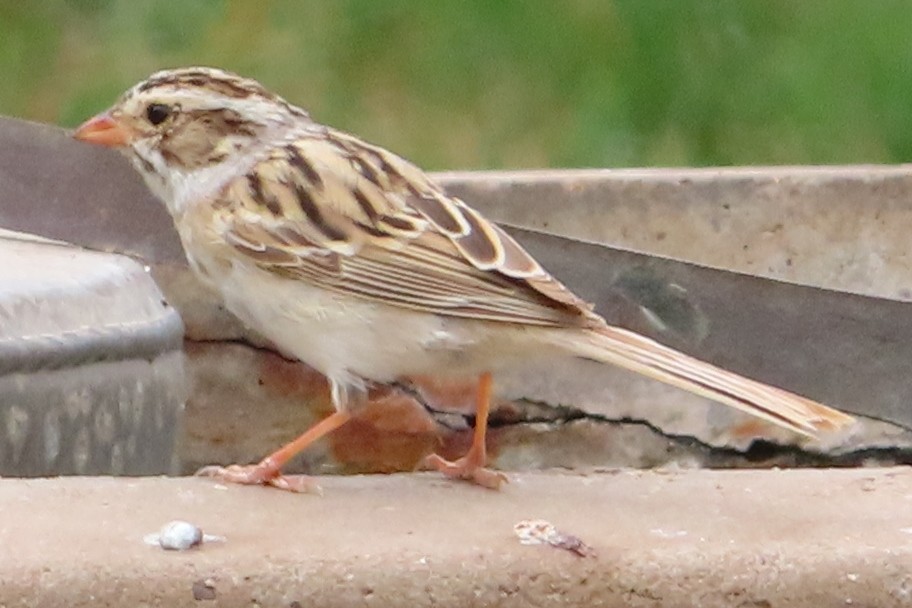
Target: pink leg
(471, 467)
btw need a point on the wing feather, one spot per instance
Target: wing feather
(353, 218)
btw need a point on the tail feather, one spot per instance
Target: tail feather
(639, 354)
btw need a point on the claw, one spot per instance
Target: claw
(259, 474)
(469, 469)
(268, 471)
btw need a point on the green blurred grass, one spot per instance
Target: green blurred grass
(508, 83)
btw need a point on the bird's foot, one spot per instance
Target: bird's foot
(470, 468)
(261, 474)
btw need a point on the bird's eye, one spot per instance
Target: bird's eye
(157, 113)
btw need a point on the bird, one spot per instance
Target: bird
(354, 261)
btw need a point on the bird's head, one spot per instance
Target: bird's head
(179, 122)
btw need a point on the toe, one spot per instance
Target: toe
(467, 469)
(299, 484)
(251, 475)
(489, 479)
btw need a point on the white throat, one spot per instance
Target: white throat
(179, 188)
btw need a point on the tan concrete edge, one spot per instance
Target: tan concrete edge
(708, 538)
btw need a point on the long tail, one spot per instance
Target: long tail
(642, 355)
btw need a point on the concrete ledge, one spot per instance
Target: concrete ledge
(839, 227)
(708, 538)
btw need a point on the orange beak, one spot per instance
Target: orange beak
(103, 130)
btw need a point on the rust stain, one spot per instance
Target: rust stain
(291, 379)
(455, 395)
(455, 444)
(751, 429)
(398, 413)
(391, 433)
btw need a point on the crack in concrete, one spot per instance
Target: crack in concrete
(760, 452)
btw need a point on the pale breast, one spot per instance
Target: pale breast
(342, 336)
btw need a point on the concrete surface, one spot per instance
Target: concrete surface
(701, 538)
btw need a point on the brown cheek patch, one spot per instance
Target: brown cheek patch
(188, 144)
(229, 121)
(193, 140)
(169, 155)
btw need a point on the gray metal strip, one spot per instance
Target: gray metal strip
(139, 340)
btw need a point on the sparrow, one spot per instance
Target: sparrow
(354, 261)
